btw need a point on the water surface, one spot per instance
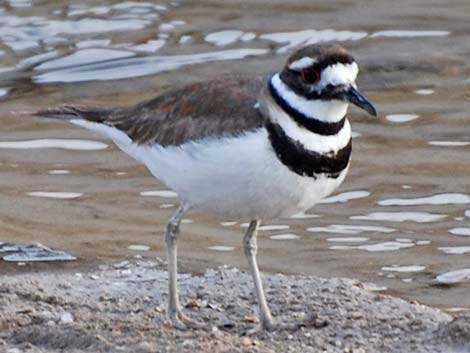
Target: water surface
(401, 218)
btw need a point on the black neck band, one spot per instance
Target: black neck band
(311, 124)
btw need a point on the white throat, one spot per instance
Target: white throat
(328, 111)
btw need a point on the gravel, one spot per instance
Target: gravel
(121, 308)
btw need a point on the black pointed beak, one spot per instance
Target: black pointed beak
(357, 98)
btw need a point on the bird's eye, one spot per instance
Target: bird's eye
(310, 75)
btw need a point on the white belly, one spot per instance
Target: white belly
(236, 177)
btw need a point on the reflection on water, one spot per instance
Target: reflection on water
(440, 199)
(401, 118)
(411, 268)
(420, 217)
(452, 277)
(160, 193)
(408, 185)
(67, 144)
(56, 194)
(396, 33)
(102, 70)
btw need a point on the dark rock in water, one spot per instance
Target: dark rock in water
(32, 253)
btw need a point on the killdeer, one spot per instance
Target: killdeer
(241, 148)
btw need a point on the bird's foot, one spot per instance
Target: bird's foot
(181, 322)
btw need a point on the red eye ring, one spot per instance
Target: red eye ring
(310, 75)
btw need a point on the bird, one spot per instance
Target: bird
(241, 147)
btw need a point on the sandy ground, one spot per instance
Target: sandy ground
(121, 308)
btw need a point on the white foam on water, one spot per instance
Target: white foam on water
(310, 36)
(346, 196)
(440, 199)
(407, 280)
(455, 250)
(58, 172)
(453, 277)
(186, 221)
(137, 247)
(67, 144)
(140, 66)
(287, 236)
(159, 193)
(409, 34)
(84, 57)
(401, 118)
(348, 239)
(221, 248)
(56, 194)
(222, 38)
(349, 229)
(424, 91)
(419, 217)
(460, 231)
(449, 143)
(404, 269)
(467, 213)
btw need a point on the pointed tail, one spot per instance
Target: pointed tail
(69, 112)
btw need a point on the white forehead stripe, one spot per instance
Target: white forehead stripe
(303, 63)
(339, 74)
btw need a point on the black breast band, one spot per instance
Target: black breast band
(305, 162)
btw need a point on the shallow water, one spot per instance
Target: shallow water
(400, 220)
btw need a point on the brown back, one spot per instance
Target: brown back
(210, 109)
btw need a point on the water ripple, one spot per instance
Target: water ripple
(137, 67)
(440, 199)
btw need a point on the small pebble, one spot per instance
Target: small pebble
(66, 318)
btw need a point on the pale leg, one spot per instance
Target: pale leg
(250, 246)
(176, 317)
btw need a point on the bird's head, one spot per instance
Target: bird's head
(325, 72)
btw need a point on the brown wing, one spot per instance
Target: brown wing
(194, 112)
(208, 109)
